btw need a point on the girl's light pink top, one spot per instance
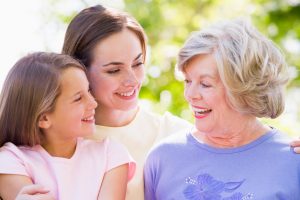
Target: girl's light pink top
(79, 177)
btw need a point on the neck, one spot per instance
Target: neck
(115, 118)
(60, 148)
(237, 137)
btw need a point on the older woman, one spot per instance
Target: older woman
(234, 75)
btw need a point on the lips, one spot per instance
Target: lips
(89, 119)
(200, 112)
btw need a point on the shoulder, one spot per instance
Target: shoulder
(167, 116)
(279, 145)
(279, 139)
(118, 155)
(169, 145)
(150, 116)
(11, 150)
(8, 151)
(16, 160)
(167, 152)
(167, 123)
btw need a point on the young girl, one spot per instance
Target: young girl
(45, 110)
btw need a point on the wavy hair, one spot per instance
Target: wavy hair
(251, 67)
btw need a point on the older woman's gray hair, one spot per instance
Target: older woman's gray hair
(251, 67)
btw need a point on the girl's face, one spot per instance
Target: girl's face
(206, 95)
(73, 115)
(117, 71)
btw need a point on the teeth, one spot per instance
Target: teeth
(127, 94)
(88, 118)
(200, 111)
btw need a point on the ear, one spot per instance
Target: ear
(44, 121)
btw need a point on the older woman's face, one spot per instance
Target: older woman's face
(206, 95)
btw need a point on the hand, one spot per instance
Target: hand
(296, 145)
(34, 192)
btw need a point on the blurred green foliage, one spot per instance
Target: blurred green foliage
(168, 23)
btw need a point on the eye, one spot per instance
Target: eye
(205, 85)
(113, 71)
(138, 64)
(78, 98)
(186, 81)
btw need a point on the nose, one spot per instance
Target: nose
(92, 102)
(192, 93)
(130, 79)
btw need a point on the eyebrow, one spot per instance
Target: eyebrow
(120, 63)
(203, 76)
(207, 76)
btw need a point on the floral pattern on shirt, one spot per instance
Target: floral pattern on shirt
(205, 187)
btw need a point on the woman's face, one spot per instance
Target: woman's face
(206, 95)
(117, 71)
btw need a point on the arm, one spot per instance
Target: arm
(19, 187)
(10, 185)
(114, 184)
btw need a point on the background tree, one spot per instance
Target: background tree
(169, 22)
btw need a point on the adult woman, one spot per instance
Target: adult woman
(112, 46)
(234, 75)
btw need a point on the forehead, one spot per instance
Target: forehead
(72, 79)
(121, 45)
(203, 64)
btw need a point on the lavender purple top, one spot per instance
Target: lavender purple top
(182, 168)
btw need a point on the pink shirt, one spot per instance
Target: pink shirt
(79, 177)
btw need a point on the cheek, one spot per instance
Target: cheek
(140, 74)
(102, 88)
(222, 111)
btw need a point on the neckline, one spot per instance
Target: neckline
(220, 150)
(61, 159)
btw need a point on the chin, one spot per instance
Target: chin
(201, 127)
(129, 106)
(89, 132)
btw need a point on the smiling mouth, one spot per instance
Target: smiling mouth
(201, 111)
(126, 94)
(205, 111)
(88, 119)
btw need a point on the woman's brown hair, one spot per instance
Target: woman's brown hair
(30, 90)
(92, 25)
